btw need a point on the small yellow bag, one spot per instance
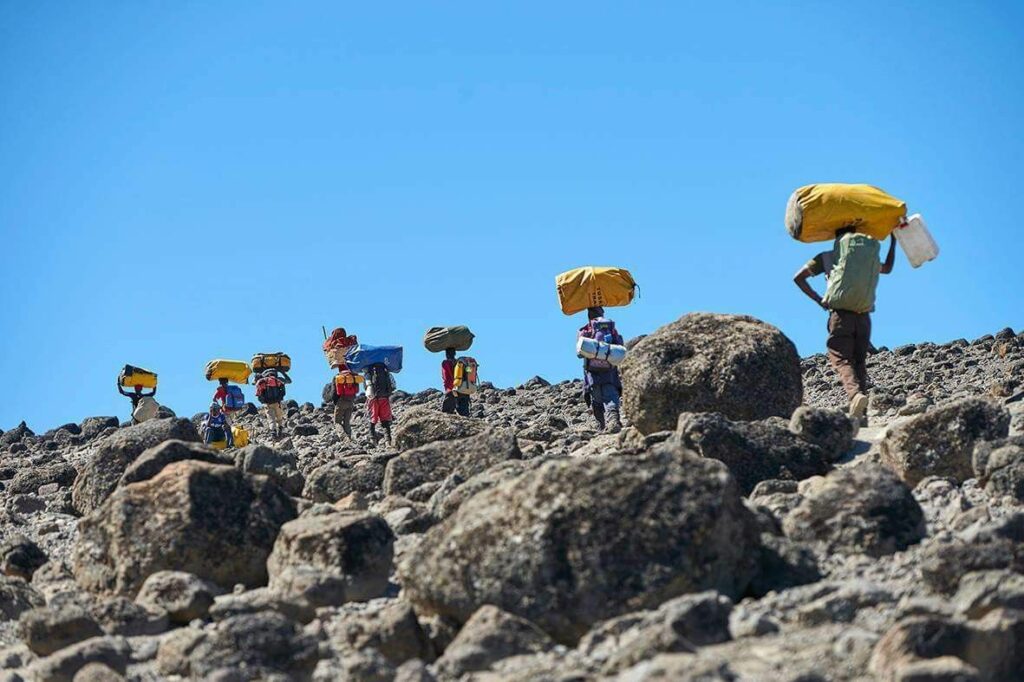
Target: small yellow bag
(233, 370)
(589, 287)
(240, 435)
(815, 212)
(218, 444)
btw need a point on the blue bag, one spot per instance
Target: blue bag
(235, 399)
(360, 357)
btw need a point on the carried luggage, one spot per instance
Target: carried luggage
(592, 349)
(815, 212)
(346, 384)
(916, 241)
(439, 339)
(590, 287)
(337, 344)
(264, 361)
(380, 380)
(270, 390)
(235, 399)
(233, 370)
(466, 376)
(359, 358)
(132, 376)
(240, 435)
(854, 277)
(218, 444)
(145, 409)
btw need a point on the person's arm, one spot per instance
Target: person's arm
(811, 269)
(150, 394)
(890, 258)
(285, 378)
(120, 389)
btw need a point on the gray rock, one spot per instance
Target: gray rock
(120, 616)
(63, 665)
(940, 442)
(100, 476)
(97, 672)
(153, 460)
(753, 451)
(703, 362)
(213, 521)
(489, 636)
(863, 509)
(20, 557)
(31, 479)
(94, 426)
(983, 591)
(46, 630)
(455, 489)
(830, 430)
(16, 597)
(999, 466)
(352, 551)
(394, 631)
(578, 541)
(183, 596)
(422, 425)
(280, 467)
(336, 480)
(435, 461)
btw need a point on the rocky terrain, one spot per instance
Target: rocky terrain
(741, 529)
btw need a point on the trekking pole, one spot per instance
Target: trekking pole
(325, 331)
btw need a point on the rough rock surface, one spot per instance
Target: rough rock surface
(703, 362)
(577, 541)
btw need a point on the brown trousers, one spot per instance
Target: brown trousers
(849, 337)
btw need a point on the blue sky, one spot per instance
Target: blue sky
(184, 181)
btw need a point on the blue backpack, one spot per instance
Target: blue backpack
(235, 399)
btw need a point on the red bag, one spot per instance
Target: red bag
(340, 339)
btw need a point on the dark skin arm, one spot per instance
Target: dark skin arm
(800, 279)
(121, 390)
(890, 258)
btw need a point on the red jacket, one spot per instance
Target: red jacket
(448, 375)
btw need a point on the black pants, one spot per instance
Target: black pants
(455, 403)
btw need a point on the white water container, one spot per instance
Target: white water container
(592, 349)
(917, 241)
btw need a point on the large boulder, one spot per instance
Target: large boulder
(335, 480)
(941, 442)
(46, 630)
(999, 466)
(438, 460)
(332, 558)
(864, 509)
(704, 362)
(100, 476)
(830, 430)
(753, 451)
(152, 461)
(281, 467)
(423, 425)
(490, 636)
(578, 541)
(210, 520)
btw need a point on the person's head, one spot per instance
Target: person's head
(223, 382)
(449, 353)
(595, 312)
(842, 231)
(138, 388)
(215, 409)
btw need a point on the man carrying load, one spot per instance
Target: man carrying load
(136, 396)
(602, 386)
(851, 269)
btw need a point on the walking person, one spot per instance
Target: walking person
(602, 387)
(851, 270)
(346, 388)
(270, 391)
(380, 384)
(460, 380)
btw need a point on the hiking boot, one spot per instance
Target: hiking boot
(614, 424)
(858, 406)
(374, 435)
(387, 432)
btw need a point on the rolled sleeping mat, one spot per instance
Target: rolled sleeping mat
(592, 349)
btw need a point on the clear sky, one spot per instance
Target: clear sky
(181, 181)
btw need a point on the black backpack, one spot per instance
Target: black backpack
(328, 394)
(380, 380)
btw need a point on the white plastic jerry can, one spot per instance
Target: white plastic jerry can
(917, 241)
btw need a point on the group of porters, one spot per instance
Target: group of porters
(855, 217)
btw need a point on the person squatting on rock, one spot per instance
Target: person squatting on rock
(454, 402)
(380, 384)
(135, 396)
(270, 390)
(216, 428)
(346, 388)
(602, 386)
(851, 270)
(231, 399)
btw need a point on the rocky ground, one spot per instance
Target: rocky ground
(741, 529)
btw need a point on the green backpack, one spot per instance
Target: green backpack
(852, 283)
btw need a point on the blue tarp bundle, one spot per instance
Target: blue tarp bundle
(360, 357)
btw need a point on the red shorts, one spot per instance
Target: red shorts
(380, 410)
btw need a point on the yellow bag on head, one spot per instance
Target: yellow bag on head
(136, 376)
(589, 287)
(233, 370)
(264, 361)
(815, 212)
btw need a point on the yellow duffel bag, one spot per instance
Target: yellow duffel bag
(588, 287)
(815, 212)
(233, 370)
(263, 361)
(239, 436)
(136, 376)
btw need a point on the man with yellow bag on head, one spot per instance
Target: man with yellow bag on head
(851, 269)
